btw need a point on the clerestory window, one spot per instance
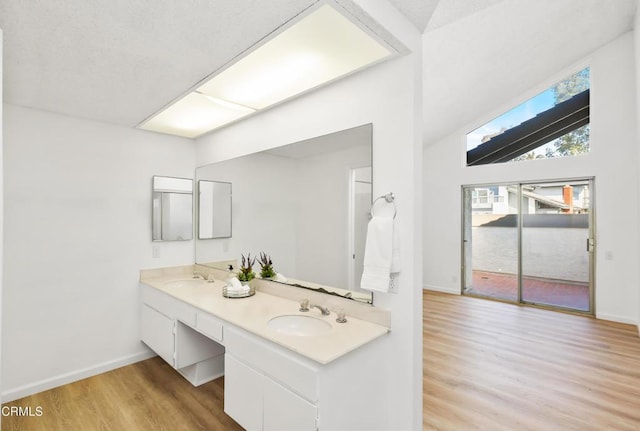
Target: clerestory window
(555, 123)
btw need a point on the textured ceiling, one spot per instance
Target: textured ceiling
(428, 15)
(419, 12)
(448, 11)
(119, 61)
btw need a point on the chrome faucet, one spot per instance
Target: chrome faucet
(324, 310)
(304, 306)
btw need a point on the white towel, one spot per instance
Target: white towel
(378, 254)
(395, 253)
(234, 286)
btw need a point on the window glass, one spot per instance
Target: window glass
(535, 116)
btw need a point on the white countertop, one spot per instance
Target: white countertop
(253, 313)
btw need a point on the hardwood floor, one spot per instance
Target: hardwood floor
(495, 366)
(148, 395)
(487, 366)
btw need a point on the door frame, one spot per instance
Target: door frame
(519, 183)
(351, 230)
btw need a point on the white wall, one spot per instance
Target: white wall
(636, 34)
(613, 161)
(1, 208)
(389, 96)
(78, 230)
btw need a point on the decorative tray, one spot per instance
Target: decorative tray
(231, 294)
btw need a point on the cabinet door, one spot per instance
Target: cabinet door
(157, 333)
(286, 411)
(243, 388)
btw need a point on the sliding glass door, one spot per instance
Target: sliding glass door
(556, 244)
(530, 243)
(491, 241)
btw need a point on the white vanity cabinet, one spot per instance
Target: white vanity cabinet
(267, 388)
(286, 411)
(157, 332)
(273, 382)
(168, 326)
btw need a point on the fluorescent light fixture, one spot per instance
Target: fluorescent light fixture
(227, 104)
(320, 48)
(192, 116)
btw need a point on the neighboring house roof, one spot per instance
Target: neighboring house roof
(545, 199)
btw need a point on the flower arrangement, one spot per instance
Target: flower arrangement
(266, 266)
(246, 273)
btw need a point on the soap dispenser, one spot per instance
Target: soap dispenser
(230, 275)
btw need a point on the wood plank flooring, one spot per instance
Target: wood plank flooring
(487, 366)
(495, 366)
(148, 395)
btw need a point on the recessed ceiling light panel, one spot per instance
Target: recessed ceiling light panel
(321, 47)
(192, 116)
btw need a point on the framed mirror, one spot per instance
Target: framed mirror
(306, 205)
(214, 209)
(172, 209)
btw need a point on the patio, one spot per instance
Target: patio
(559, 293)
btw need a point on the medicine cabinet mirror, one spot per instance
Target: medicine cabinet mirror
(306, 205)
(172, 210)
(214, 209)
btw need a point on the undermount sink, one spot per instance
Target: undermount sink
(185, 283)
(296, 324)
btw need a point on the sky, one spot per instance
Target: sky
(512, 118)
(527, 110)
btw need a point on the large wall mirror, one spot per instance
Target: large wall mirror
(306, 205)
(172, 209)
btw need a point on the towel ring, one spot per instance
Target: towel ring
(390, 199)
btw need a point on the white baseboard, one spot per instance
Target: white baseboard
(618, 319)
(452, 290)
(74, 376)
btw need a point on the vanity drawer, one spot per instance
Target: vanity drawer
(185, 313)
(170, 307)
(296, 373)
(209, 326)
(158, 301)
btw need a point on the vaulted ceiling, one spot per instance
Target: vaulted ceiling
(485, 59)
(118, 61)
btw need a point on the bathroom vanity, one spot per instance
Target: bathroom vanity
(284, 369)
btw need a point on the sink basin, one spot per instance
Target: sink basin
(185, 283)
(296, 324)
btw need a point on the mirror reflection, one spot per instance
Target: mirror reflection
(214, 209)
(306, 205)
(172, 209)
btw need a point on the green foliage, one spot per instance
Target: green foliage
(246, 268)
(572, 143)
(529, 156)
(577, 141)
(571, 86)
(266, 266)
